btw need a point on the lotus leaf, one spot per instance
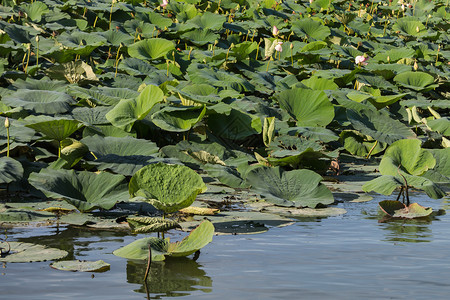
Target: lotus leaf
(359, 144)
(235, 125)
(26, 252)
(311, 29)
(10, 170)
(151, 49)
(54, 128)
(197, 239)
(151, 224)
(84, 190)
(124, 146)
(81, 266)
(379, 125)
(441, 171)
(178, 119)
(126, 112)
(441, 125)
(307, 107)
(417, 81)
(406, 156)
(396, 209)
(39, 101)
(167, 187)
(299, 188)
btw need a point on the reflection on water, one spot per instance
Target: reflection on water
(411, 231)
(171, 278)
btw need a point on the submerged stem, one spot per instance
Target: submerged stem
(148, 263)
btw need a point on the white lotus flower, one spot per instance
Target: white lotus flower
(278, 47)
(361, 60)
(275, 30)
(164, 3)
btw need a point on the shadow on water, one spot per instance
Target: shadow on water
(172, 278)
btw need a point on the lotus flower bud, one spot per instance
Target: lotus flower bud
(275, 30)
(361, 60)
(403, 7)
(291, 46)
(311, 1)
(7, 124)
(388, 59)
(416, 66)
(417, 28)
(278, 47)
(164, 3)
(37, 39)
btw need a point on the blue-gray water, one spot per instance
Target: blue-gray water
(346, 257)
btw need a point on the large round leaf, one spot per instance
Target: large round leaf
(26, 252)
(311, 29)
(125, 146)
(300, 188)
(235, 124)
(81, 266)
(415, 80)
(10, 170)
(406, 156)
(167, 187)
(84, 190)
(128, 111)
(178, 119)
(379, 125)
(197, 239)
(151, 48)
(308, 107)
(46, 102)
(54, 128)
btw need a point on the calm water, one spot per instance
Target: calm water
(346, 257)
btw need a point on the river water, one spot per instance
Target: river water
(345, 257)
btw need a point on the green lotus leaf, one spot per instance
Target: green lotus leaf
(102, 95)
(151, 49)
(123, 146)
(46, 102)
(35, 10)
(151, 224)
(441, 125)
(386, 185)
(441, 171)
(42, 84)
(406, 156)
(128, 111)
(208, 20)
(199, 237)
(394, 55)
(20, 34)
(115, 37)
(379, 125)
(81, 266)
(136, 67)
(310, 28)
(299, 188)
(84, 190)
(410, 26)
(167, 187)
(320, 84)
(72, 151)
(178, 119)
(15, 215)
(359, 144)
(10, 170)
(417, 81)
(54, 128)
(235, 125)
(219, 78)
(307, 107)
(388, 71)
(27, 252)
(159, 20)
(91, 115)
(200, 37)
(243, 50)
(312, 133)
(227, 175)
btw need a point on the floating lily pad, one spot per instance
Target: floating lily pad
(81, 266)
(26, 252)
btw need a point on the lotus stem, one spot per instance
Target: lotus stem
(59, 149)
(117, 56)
(257, 50)
(246, 37)
(400, 193)
(253, 36)
(28, 58)
(167, 63)
(292, 57)
(149, 262)
(373, 147)
(110, 13)
(37, 50)
(268, 63)
(7, 141)
(437, 54)
(95, 21)
(190, 51)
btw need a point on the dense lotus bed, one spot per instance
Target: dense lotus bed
(216, 117)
